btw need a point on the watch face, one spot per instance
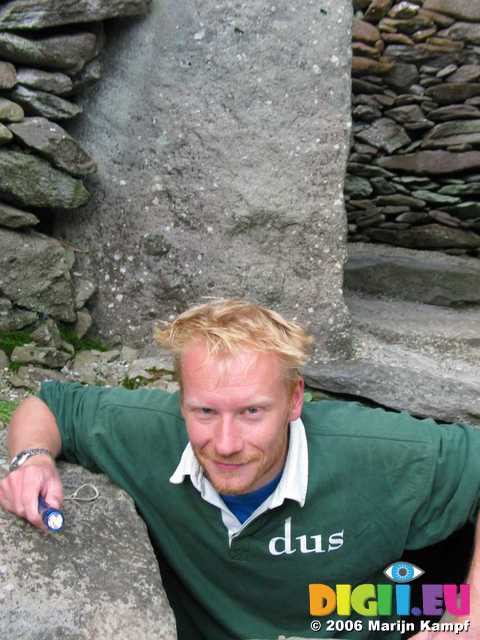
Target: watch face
(23, 456)
(18, 460)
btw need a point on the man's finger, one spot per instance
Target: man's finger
(30, 500)
(54, 493)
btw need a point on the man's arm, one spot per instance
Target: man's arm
(33, 426)
(473, 579)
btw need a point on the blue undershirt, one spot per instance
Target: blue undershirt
(244, 505)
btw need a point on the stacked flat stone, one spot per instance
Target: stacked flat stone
(43, 67)
(413, 177)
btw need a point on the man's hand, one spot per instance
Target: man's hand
(20, 489)
(33, 426)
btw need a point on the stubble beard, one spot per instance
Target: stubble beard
(228, 484)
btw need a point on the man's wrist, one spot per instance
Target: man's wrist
(27, 455)
(38, 460)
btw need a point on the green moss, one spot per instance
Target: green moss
(11, 339)
(15, 366)
(80, 344)
(311, 395)
(135, 383)
(7, 407)
(141, 381)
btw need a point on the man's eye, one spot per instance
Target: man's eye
(205, 411)
(252, 411)
(403, 572)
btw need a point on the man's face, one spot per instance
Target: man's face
(237, 412)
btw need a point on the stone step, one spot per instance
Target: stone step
(439, 332)
(415, 333)
(419, 276)
(397, 377)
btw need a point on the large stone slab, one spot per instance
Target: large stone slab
(55, 144)
(231, 146)
(450, 332)
(34, 274)
(408, 353)
(97, 579)
(419, 276)
(39, 14)
(403, 379)
(460, 9)
(432, 162)
(31, 181)
(69, 52)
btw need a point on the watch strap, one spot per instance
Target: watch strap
(25, 455)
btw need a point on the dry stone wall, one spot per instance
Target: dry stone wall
(414, 169)
(49, 55)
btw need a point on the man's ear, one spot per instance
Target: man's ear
(296, 399)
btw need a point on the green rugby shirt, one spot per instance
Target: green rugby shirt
(378, 482)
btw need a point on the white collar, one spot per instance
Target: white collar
(293, 483)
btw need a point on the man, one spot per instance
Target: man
(259, 497)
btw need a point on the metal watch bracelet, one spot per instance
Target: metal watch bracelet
(25, 455)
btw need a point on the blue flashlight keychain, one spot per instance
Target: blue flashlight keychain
(53, 518)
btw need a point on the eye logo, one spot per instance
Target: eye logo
(403, 572)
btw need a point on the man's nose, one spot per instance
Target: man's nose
(228, 439)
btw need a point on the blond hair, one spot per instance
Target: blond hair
(228, 326)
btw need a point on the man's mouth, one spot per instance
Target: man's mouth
(226, 466)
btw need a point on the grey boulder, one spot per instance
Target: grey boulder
(97, 579)
(31, 377)
(45, 356)
(13, 319)
(34, 274)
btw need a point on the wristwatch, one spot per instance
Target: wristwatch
(24, 455)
